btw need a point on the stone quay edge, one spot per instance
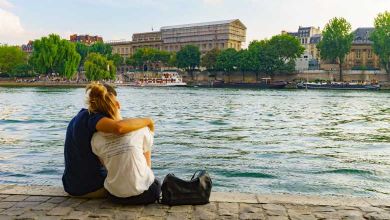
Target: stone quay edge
(48, 202)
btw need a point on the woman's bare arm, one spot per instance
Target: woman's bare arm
(124, 126)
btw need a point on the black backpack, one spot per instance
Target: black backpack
(176, 191)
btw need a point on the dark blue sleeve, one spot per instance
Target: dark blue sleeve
(93, 120)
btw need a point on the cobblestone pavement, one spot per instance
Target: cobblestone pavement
(39, 202)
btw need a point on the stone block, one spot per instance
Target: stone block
(275, 213)
(247, 216)
(154, 212)
(178, 216)
(324, 209)
(76, 215)
(212, 206)
(274, 207)
(15, 198)
(377, 216)
(6, 205)
(26, 205)
(60, 211)
(34, 190)
(126, 215)
(228, 209)
(378, 202)
(250, 208)
(350, 214)
(310, 200)
(72, 202)
(13, 211)
(56, 200)
(44, 207)
(6, 217)
(32, 215)
(301, 217)
(181, 208)
(204, 214)
(37, 199)
(277, 218)
(233, 197)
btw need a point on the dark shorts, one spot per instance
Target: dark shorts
(149, 196)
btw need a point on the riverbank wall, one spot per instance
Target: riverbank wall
(315, 75)
(47, 202)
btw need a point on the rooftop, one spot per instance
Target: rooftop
(362, 35)
(200, 24)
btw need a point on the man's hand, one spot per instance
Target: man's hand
(124, 126)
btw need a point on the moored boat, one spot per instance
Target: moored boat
(163, 79)
(338, 86)
(266, 83)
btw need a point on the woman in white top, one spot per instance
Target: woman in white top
(127, 158)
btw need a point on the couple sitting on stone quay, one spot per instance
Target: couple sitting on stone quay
(106, 155)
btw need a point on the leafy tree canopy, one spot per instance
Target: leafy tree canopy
(98, 67)
(188, 57)
(336, 41)
(381, 39)
(10, 58)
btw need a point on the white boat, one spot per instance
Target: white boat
(162, 79)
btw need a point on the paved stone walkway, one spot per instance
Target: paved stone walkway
(40, 202)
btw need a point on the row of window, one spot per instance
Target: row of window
(358, 54)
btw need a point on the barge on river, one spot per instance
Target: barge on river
(338, 86)
(265, 83)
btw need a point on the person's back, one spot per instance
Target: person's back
(128, 173)
(83, 172)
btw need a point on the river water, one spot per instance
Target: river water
(259, 141)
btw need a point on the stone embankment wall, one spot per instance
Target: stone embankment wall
(250, 77)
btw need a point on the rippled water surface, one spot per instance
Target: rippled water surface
(310, 142)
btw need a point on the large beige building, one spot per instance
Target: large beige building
(209, 35)
(361, 55)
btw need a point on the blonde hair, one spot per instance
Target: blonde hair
(101, 99)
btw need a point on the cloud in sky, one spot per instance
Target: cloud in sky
(4, 4)
(10, 24)
(213, 2)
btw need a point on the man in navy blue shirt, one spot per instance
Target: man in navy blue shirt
(84, 173)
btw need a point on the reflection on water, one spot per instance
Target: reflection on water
(311, 142)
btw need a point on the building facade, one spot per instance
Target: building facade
(207, 36)
(362, 56)
(85, 39)
(28, 48)
(309, 37)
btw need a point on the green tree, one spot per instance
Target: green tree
(188, 58)
(83, 50)
(287, 47)
(336, 42)
(67, 60)
(227, 61)
(55, 55)
(24, 69)
(172, 60)
(381, 40)
(210, 58)
(102, 48)
(98, 67)
(10, 58)
(117, 59)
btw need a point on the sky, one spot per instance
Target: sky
(24, 20)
